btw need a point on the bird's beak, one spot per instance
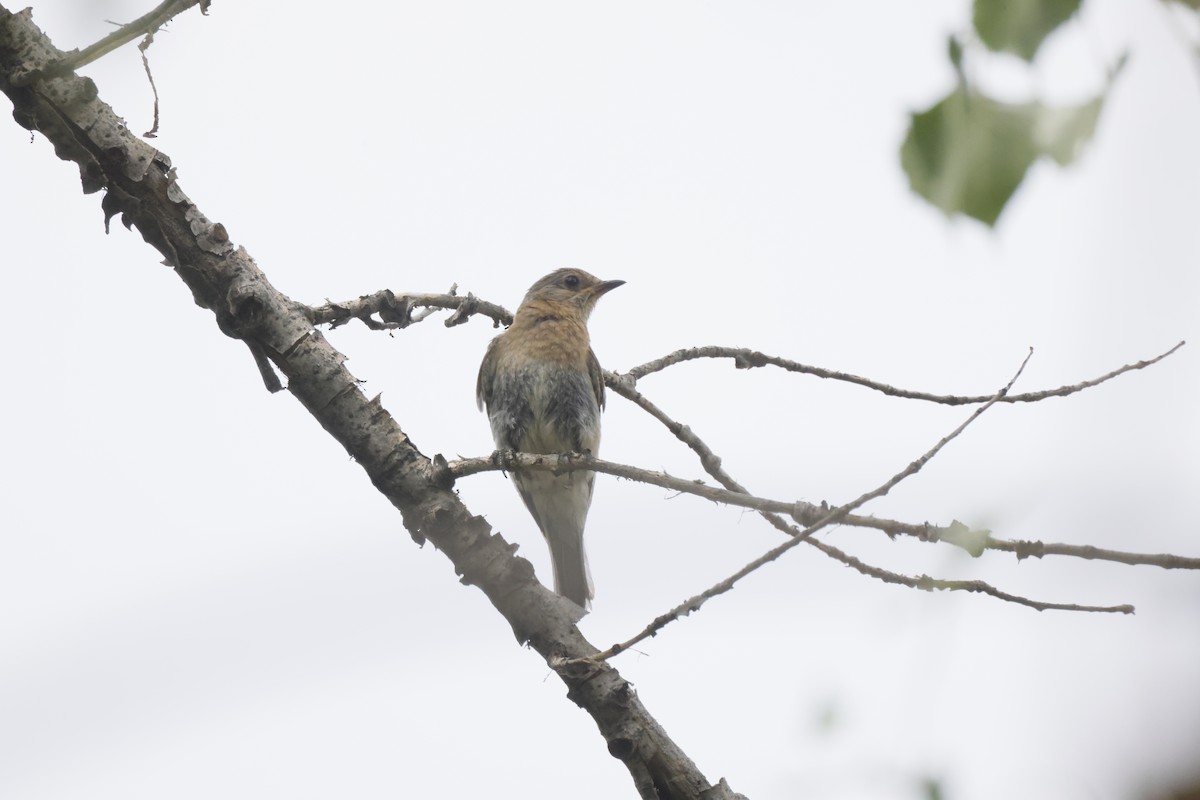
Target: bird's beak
(604, 287)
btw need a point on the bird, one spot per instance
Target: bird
(543, 390)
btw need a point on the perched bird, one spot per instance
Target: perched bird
(543, 390)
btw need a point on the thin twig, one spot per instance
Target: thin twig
(507, 460)
(143, 46)
(694, 603)
(928, 584)
(709, 460)
(386, 310)
(804, 513)
(749, 359)
(145, 24)
(973, 541)
(1027, 549)
(569, 462)
(385, 302)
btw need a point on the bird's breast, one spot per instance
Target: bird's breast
(548, 339)
(544, 407)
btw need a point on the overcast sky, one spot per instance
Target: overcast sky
(203, 596)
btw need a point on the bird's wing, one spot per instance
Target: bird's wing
(597, 376)
(487, 373)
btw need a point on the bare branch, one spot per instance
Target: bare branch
(1027, 549)
(928, 584)
(749, 359)
(973, 541)
(694, 603)
(558, 463)
(977, 541)
(970, 540)
(144, 25)
(805, 513)
(397, 310)
(709, 460)
(143, 46)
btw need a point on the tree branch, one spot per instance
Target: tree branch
(973, 541)
(928, 584)
(749, 359)
(398, 310)
(144, 190)
(145, 25)
(694, 603)
(1027, 549)
(395, 311)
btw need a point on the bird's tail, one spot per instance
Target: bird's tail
(559, 504)
(571, 576)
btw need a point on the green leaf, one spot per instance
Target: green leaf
(954, 51)
(1020, 26)
(1062, 132)
(969, 152)
(967, 155)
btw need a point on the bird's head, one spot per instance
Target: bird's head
(572, 287)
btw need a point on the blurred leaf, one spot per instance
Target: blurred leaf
(1061, 132)
(969, 153)
(931, 789)
(1020, 26)
(954, 51)
(974, 541)
(827, 718)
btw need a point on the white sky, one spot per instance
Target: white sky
(204, 597)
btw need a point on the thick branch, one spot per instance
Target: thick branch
(141, 187)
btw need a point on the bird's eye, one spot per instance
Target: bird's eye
(571, 281)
